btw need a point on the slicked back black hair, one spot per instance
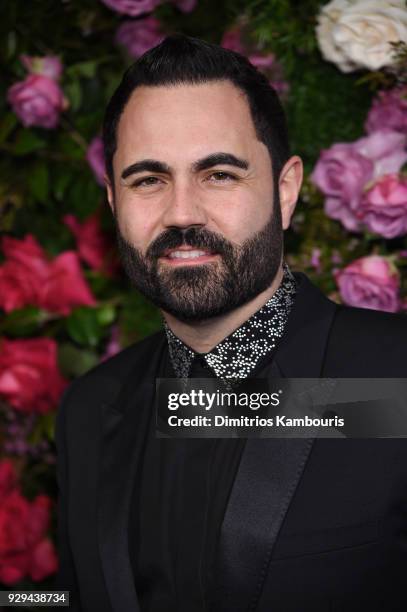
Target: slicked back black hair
(183, 60)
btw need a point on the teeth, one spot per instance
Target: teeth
(186, 254)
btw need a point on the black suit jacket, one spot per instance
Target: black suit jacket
(311, 525)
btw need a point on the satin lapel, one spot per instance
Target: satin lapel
(270, 469)
(119, 461)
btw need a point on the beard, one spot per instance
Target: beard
(199, 292)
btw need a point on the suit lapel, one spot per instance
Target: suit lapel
(120, 455)
(270, 469)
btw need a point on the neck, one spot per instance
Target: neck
(203, 336)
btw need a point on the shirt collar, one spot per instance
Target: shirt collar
(237, 355)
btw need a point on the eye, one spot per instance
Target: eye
(146, 181)
(225, 177)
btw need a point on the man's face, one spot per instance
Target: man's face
(198, 220)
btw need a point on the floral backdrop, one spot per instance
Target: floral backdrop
(341, 71)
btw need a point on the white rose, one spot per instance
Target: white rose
(357, 34)
(327, 22)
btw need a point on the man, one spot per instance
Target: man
(201, 184)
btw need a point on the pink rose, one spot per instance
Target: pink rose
(17, 287)
(113, 346)
(384, 206)
(132, 7)
(38, 100)
(28, 277)
(385, 148)
(8, 478)
(29, 376)
(272, 69)
(44, 560)
(232, 39)
(93, 245)
(370, 282)
(340, 210)
(65, 286)
(96, 160)
(389, 110)
(49, 66)
(186, 6)
(25, 549)
(237, 39)
(342, 172)
(139, 36)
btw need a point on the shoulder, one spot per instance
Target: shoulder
(372, 338)
(104, 381)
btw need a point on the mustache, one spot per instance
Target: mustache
(193, 237)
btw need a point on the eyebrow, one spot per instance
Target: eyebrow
(215, 159)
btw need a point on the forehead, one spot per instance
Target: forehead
(165, 119)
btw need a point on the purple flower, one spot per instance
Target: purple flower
(343, 171)
(38, 100)
(385, 148)
(96, 159)
(186, 6)
(132, 7)
(389, 110)
(370, 282)
(49, 66)
(384, 206)
(140, 35)
(315, 260)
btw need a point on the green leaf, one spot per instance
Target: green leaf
(83, 326)
(23, 321)
(106, 314)
(83, 69)
(7, 124)
(74, 361)
(27, 142)
(74, 94)
(61, 182)
(38, 181)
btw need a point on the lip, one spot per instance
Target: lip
(208, 257)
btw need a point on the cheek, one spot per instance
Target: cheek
(241, 222)
(136, 226)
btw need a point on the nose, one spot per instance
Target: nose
(184, 208)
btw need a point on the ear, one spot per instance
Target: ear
(289, 188)
(109, 193)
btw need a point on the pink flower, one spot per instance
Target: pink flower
(237, 39)
(140, 35)
(385, 148)
(132, 7)
(232, 39)
(272, 69)
(8, 478)
(342, 172)
(384, 206)
(29, 376)
(25, 549)
(94, 247)
(28, 277)
(113, 346)
(389, 110)
(96, 160)
(38, 100)
(315, 260)
(186, 6)
(49, 66)
(370, 282)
